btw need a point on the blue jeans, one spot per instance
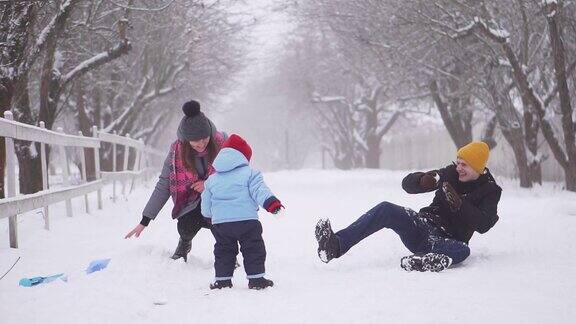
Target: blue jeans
(417, 233)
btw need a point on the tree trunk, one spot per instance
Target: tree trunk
(514, 137)
(111, 99)
(28, 154)
(17, 21)
(6, 93)
(571, 181)
(372, 156)
(459, 130)
(531, 125)
(29, 160)
(30, 167)
(106, 157)
(559, 56)
(489, 131)
(344, 163)
(531, 128)
(511, 129)
(5, 100)
(50, 79)
(85, 127)
(97, 107)
(342, 156)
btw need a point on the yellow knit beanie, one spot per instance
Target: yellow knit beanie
(476, 155)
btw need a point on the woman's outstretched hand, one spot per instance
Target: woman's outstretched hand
(136, 231)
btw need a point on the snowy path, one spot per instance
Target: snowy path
(523, 270)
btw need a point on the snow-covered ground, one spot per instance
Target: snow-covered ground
(522, 271)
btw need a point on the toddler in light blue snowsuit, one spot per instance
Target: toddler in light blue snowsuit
(230, 200)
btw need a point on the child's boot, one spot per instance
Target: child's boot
(259, 283)
(219, 284)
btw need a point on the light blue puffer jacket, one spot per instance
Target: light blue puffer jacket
(234, 192)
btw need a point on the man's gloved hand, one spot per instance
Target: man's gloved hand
(429, 180)
(274, 207)
(452, 196)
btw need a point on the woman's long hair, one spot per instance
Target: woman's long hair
(189, 154)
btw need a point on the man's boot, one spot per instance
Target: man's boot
(328, 244)
(434, 262)
(182, 250)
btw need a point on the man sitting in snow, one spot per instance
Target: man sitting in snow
(466, 200)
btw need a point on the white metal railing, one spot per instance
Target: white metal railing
(13, 204)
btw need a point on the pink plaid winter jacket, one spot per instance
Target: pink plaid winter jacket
(181, 179)
(175, 181)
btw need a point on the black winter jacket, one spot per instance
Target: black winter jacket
(479, 203)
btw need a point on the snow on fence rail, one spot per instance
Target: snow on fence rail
(14, 204)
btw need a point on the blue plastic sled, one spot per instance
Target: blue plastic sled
(29, 282)
(94, 266)
(97, 265)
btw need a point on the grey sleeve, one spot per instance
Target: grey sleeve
(161, 192)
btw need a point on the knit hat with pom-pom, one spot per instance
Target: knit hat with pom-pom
(194, 125)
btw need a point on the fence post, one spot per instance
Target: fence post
(84, 177)
(43, 160)
(11, 184)
(65, 173)
(138, 162)
(136, 167)
(97, 165)
(114, 169)
(144, 164)
(125, 165)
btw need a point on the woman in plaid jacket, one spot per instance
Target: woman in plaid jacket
(187, 166)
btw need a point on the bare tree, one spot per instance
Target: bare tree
(477, 79)
(565, 156)
(53, 82)
(82, 72)
(353, 85)
(21, 48)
